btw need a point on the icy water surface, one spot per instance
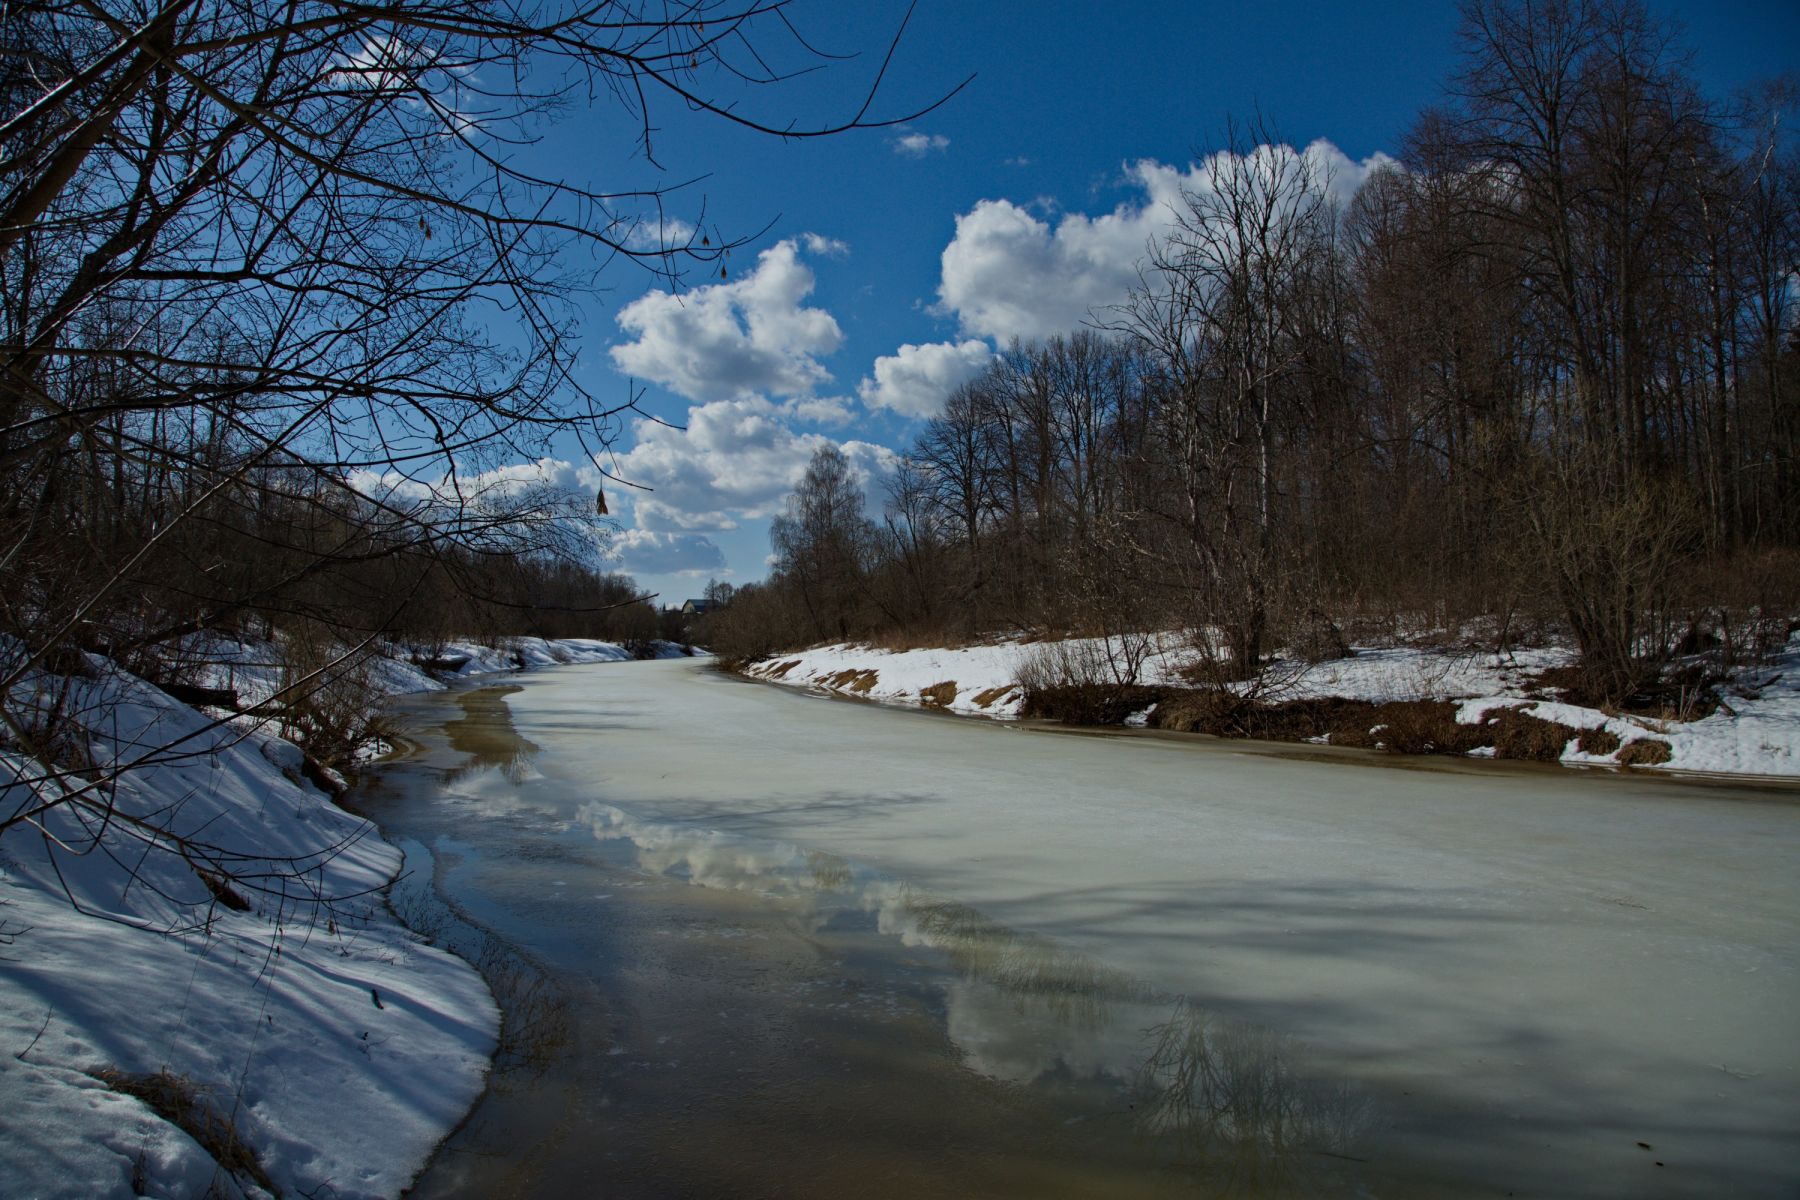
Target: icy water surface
(753, 944)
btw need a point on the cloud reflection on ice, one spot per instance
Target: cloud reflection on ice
(1019, 1008)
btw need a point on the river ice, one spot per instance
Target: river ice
(1549, 983)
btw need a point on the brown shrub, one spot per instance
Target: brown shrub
(1218, 711)
(1645, 752)
(1516, 734)
(1598, 741)
(916, 639)
(938, 695)
(1405, 727)
(1424, 727)
(1088, 704)
(1566, 683)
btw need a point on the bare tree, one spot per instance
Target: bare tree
(281, 282)
(823, 541)
(1217, 311)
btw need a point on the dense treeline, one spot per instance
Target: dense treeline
(1544, 369)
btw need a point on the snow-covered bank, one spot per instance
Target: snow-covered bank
(288, 1009)
(1755, 732)
(253, 670)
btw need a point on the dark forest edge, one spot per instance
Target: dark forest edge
(1540, 378)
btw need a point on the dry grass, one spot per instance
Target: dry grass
(782, 670)
(995, 695)
(938, 695)
(1202, 710)
(1415, 727)
(1517, 735)
(859, 682)
(1687, 693)
(183, 1103)
(1598, 741)
(1645, 752)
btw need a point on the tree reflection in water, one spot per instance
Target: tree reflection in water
(1232, 1100)
(485, 735)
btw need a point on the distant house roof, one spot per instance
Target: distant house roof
(697, 607)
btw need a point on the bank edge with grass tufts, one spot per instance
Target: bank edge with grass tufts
(1393, 699)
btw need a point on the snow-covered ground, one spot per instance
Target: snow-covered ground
(1756, 732)
(288, 1003)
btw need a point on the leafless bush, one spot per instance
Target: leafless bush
(1611, 551)
(1743, 608)
(328, 699)
(1316, 638)
(1086, 681)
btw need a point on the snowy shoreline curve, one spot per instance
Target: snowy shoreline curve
(329, 1048)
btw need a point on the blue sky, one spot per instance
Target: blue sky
(894, 260)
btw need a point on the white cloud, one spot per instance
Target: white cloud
(736, 460)
(915, 381)
(825, 247)
(733, 339)
(820, 410)
(918, 145)
(665, 233)
(1008, 274)
(649, 552)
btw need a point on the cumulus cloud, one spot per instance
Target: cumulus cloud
(820, 410)
(1008, 274)
(915, 381)
(825, 247)
(732, 339)
(649, 552)
(918, 145)
(736, 460)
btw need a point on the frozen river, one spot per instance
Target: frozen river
(796, 946)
